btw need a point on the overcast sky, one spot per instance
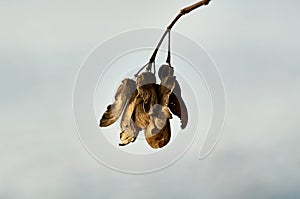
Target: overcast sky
(254, 44)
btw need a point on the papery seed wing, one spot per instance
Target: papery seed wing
(145, 78)
(136, 116)
(158, 138)
(114, 110)
(129, 134)
(161, 112)
(159, 115)
(174, 100)
(140, 116)
(142, 108)
(146, 88)
(165, 71)
(166, 88)
(177, 105)
(128, 128)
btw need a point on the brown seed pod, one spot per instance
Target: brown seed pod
(114, 110)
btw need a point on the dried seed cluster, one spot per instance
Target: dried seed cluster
(147, 106)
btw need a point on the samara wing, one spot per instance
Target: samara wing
(128, 127)
(146, 88)
(158, 138)
(175, 101)
(147, 93)
(122, 95)
(177, 105)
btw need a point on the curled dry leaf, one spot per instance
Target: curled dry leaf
(114, 110)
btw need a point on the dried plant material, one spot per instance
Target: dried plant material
(158, 138)
(149, 103)
(128, 128)
(166, 88)
(114, 110)
(147, 89)
(147, 97)
(174, 99)
(140, 117)
(159, 115)
(177, 105)
(135, 116)
(129, 134)
(165, 71)
(158, 132)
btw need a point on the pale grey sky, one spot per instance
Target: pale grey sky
(255, 46)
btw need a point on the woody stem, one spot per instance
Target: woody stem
(170, 26)
(168, 30)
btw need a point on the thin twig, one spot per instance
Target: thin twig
(142, 69)
(169, 49)
(180, 14)
(170, 26)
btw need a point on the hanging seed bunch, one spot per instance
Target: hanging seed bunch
(147, 104)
